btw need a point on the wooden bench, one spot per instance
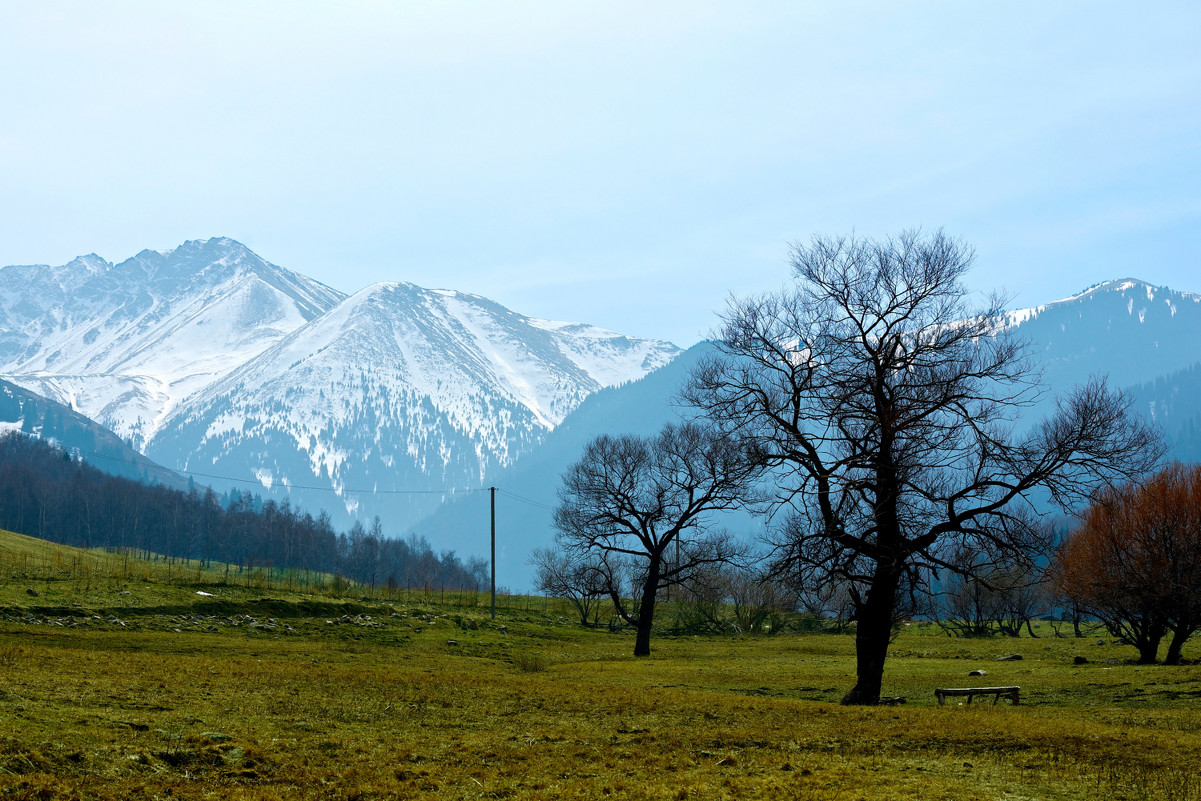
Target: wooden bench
(995, 692)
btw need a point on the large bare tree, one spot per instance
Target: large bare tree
(886, 409)
(637, 507)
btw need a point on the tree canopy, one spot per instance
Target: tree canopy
(885, 407)
(1135, 560)
(634, 510)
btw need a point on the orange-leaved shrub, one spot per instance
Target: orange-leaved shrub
(1135, 561)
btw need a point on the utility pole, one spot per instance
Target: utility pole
(492, 492)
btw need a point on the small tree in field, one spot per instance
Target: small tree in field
(576, 577)
(884, 407)
(980, 601)
(638, 507)
(1135, 561)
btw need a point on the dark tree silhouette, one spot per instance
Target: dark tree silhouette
(638, 507)
(884, 407)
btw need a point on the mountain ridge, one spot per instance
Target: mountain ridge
(261, 374)
(394, 399)
(428, 388)
(161, 325)
(39, 417)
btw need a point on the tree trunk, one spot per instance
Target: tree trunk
(875, 615)
(873, 632)
(1179, 636)
(1147, 643)
(646, 610)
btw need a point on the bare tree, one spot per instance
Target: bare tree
(975, 601)
(639, 506)
(758, 599)
(885, 408)
(1023, 596)
(577, 577)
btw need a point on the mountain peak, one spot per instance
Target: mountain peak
(1125, 327)
(90, 263)
(215, 248)
(1145, 292)
(127, 342)
(1125, 285)
(218, 243)
(1112, 285)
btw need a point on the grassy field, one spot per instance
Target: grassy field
(119, 680)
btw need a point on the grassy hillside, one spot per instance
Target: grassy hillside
(119, 680)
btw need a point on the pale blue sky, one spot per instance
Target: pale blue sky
(625, 164)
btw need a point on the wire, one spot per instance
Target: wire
(517, 497)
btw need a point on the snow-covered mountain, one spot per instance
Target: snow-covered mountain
(402, 390)
(215, 361)
(126, 344)
(1128, 329)
(389, 401)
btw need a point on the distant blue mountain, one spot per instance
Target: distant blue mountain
(1129, 330)
(39, 417)
(528, 490)
(1174, 402)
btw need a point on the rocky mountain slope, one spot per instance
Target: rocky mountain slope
(126, 344)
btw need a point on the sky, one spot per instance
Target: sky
(627, 164)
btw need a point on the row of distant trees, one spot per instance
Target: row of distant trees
(46, 493)
(875, 416)
(1133, 565)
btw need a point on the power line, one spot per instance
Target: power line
(517, 497)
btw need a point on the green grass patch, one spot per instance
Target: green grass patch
(253, 693)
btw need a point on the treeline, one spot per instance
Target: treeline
(1173, 400)
(46, 493)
